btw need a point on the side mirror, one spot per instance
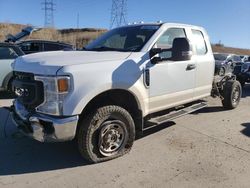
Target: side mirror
(181, 50)
(156, 59)
(155, 51)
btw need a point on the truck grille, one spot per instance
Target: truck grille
(23, 76)
(29, 92)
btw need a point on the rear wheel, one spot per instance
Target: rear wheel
(107, 133)
(231, 93)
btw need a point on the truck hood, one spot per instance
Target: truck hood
(48, 63)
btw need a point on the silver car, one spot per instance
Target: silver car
(8, 53)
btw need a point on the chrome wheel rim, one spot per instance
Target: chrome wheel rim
(112, 137)
(236, 95)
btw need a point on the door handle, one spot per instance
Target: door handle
(190, 67)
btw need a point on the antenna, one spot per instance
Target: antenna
(118, 13)
(48, 7)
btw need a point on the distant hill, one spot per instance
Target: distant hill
(81, 37)
(76, 37)
(223, 49)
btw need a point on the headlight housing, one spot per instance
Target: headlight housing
(55, 90)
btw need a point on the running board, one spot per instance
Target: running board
(173, 115)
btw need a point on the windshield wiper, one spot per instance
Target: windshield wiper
(103, 48)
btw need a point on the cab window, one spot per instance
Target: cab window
(199, 42)
(166, 40)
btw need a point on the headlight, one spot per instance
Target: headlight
(55, 90)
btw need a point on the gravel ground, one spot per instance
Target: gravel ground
(209, 148)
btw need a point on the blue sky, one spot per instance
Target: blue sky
(227, 21)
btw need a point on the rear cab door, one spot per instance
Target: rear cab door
(204, 60)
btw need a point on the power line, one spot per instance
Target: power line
(118, 13)
(49, 7)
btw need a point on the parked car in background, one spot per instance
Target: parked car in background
(224, 63)
(8, 53)
(236, 59)
(244, 75)
(244, 58)
(33, 46)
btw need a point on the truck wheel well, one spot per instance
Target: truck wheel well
(117, 97)
(7, 80)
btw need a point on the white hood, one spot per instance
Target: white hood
(48, 63)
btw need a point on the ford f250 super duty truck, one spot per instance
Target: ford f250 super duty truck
(128, 80)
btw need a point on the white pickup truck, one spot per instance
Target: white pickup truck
(130, 79)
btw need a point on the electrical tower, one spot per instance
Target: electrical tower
(118, 13)
(48, 7)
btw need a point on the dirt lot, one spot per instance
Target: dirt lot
(210, 148)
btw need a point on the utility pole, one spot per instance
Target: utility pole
(49, 7)
(118, 13)
(77, 21)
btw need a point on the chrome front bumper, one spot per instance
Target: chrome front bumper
(44, 128)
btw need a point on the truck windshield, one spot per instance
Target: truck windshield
(127, 39)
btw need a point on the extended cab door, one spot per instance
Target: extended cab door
(205, 65)
(171, 82)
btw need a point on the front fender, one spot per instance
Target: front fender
(90, 80)
(81, 100)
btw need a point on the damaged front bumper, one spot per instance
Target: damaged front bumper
(44, 128)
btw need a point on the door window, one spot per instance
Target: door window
(166, 40)
(199, 42)
(7, 53)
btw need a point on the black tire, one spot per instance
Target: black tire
(231, 93)
(107, 133)
(242, 82)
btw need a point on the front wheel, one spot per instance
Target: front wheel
(107, 133)
(231, 93)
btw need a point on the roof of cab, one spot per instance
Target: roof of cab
(163, 24)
